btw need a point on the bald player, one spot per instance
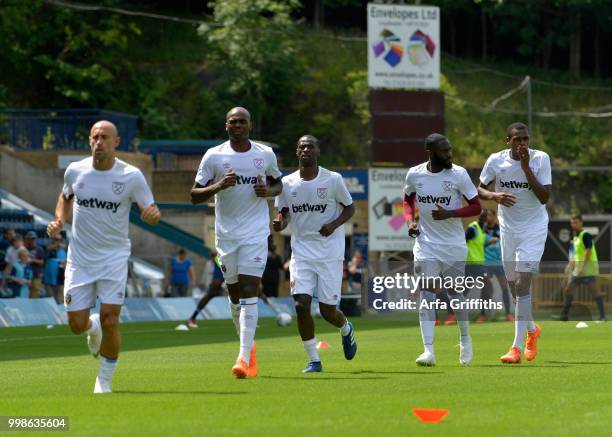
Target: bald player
(98, 191)
(240, 174)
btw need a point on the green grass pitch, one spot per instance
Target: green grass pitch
(179, 383)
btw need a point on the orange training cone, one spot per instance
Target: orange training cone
(430, 415)
(322, 345)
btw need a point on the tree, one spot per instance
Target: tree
(253, 47)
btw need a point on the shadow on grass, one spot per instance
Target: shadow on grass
(37, 342)
(179, 392)
(322, 378)
(595, 363)
(398, 372)
(519, 366)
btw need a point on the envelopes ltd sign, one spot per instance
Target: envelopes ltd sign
(403, 46)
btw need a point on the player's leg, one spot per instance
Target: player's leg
(79, 297)
(307, 331)
(598, 297)
(455, 269)
(508, 244)
(112, 295)
(498, 272)
(214, 290)
(328, 286)
(227, 252)
(251, 260)
(428, 269)
(568, 298)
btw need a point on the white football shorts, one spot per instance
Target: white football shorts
(522, 252)
(83, 284)
(439, 260)
(240, 258)
(322, 279)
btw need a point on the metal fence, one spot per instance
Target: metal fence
(52, 129)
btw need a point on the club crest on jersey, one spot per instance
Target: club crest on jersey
(294, 193)
(118, 187)
(447, 185)
(81, 185)
(322, 193)
(68, 299)
(227, 166)
(258, 163)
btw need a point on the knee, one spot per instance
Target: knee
(302, 308)
(78, 325)
(109, 322)
(328, 312)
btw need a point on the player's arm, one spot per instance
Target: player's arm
(347, 212)
(472, 209)
(272, 186)
(202, 193)
(588, 245)
(410, 214)
(485, 192)
(281, 220)
(63, 209)
(542, 192)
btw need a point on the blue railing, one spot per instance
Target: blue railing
(52, 129)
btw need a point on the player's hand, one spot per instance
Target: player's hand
(505, 199)
(261, 188)
(441, 213)
(54, 228)
(413, 230)
(228, 180)
(150, 214)
(327, 229)
(277, 223)
(493, 240)
(523, 153)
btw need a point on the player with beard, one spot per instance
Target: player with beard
(318, 203)
(240, 174)
(523, 182)
(436, 187)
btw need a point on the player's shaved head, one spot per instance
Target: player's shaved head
(105, 124)
(238, 110)
(516, 126)
(434, 140)
(309, 139)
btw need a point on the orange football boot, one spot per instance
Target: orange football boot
(240, 369)
(512, 357)
(253, 367)
(531, 345)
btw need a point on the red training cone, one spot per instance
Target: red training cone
(322, 345)
(430, 415)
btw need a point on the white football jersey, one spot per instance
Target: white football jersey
(311, 205)
(101, 211)
(239, 213)
(444, 188)
(528, 214)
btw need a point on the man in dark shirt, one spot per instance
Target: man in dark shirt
(37, 262)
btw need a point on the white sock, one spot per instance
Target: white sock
(248, 325)
(530, 322)
(311, 349)
(345, 328)
(463, 321)
(235, 310)
(427, 319)
(522, 314)
(107, 369)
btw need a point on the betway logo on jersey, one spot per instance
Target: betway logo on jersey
(99, 204)
(439, 200)
(307, 207)
(242, 180)
(514, 184)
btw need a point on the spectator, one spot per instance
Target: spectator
(181, 274)
(11, 257)
(53, 277)
(37, 263)
(5, 243)
(271, 275)
(355, 271)
(21, 275)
